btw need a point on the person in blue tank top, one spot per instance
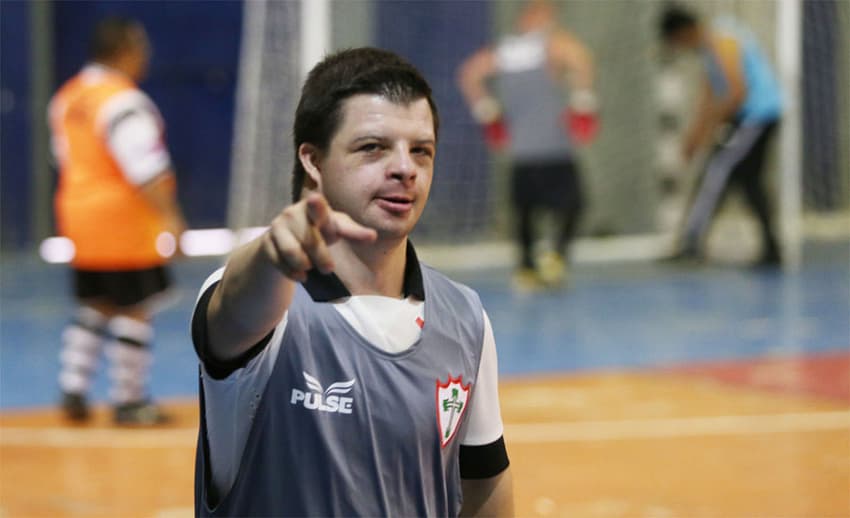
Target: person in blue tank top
(532, 93)
(739, 108)
(339, 376)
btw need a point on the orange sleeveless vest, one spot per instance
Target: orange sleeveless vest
(112, 226)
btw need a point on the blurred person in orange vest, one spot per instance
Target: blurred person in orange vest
(116, 201)
(532, 92)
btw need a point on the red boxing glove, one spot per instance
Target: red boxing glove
(583, 126)
(488, 113)
(496, 134)
(581, 116)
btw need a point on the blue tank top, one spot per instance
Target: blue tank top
(763, 101)
(346, 429)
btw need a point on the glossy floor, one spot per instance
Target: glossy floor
(640, 391)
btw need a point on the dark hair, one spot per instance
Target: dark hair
(111, 36)
(675, 18)
(344, 74)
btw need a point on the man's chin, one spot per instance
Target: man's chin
(391, 230)
(392, 234)
(392, 227)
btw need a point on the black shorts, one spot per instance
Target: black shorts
(121, 287)
(554, 184)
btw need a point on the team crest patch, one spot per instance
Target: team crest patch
(452, 397)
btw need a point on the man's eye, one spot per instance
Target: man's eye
(369, 148)
(423, 151)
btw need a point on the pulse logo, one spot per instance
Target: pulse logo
(324, 400)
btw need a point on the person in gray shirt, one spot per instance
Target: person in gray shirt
(339, 375)
(517, 89)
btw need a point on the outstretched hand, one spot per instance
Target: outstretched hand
(298, 238)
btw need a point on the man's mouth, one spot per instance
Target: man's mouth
(398, 204)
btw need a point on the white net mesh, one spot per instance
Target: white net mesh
(634, 183)
(825, 89)
(267, 95)
(618, 169)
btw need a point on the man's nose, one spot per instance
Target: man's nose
(402, 165)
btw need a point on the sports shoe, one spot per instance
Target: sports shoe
(527, 280)
(771, 258)
(553, 270)
(139, 413)
(74, 406)
(683, 257)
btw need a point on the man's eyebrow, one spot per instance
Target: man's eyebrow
(368, 137)
(418, 142)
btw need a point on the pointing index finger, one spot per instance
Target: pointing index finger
(345, 227)
(334, 225)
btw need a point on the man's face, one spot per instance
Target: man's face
(379, 164)
(686, 39)
(535, 16)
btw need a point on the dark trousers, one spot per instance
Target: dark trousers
(738, 161)
(547, 185)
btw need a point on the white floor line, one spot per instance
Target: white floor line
(97, 437)
(528, 433)
(595, 431)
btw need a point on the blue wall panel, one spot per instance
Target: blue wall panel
(821, 106)
(14, 123)
(192, 79)
(436, 36)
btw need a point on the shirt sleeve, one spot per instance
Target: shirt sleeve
(134, 134)
(482, 450)
(215, 368)
(485, 418)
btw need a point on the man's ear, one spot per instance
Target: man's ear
(310, 158)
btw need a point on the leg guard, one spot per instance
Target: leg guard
(82, 341)
(130, 357)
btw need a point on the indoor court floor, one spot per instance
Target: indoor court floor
(642, 390)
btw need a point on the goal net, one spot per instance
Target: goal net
(636, 186)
